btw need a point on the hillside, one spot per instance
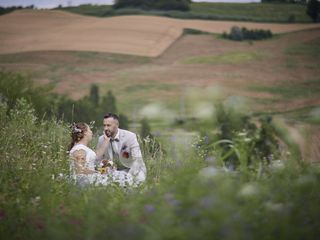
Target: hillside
(39, 30)
(277, 76)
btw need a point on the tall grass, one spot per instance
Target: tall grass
(183, 198)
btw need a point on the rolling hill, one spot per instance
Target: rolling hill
(40, 30)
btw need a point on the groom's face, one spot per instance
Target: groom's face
(110, 126)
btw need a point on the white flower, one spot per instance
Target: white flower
(248, 190)
(277, 165)
(275, 207)
(209, 172)
(242, 134)
(35, 200)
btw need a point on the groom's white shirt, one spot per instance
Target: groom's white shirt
(127, 143)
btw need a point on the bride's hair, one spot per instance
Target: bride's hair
(77, 133)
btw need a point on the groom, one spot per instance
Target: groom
(124, 149)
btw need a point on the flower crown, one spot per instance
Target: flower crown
(75, 129)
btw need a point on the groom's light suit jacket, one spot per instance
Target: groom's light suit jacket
(128, 150)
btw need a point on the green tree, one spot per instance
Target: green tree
(123, 121)
(108, 103)
(313, 10)
(16, 86)
(94, 95)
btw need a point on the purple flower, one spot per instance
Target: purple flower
(171, 200)
(149, 208)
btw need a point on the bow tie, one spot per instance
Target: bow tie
(114, 139)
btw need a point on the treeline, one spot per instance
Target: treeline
(285, 1)
(11, 9)
(313, 10)
(182, 5)
(50, 105)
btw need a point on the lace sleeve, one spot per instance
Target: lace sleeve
(78, 159)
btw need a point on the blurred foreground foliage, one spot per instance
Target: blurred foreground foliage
(186, 196)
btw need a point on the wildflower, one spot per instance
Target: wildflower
(208, 172)
(171, 200)
(147, 139)
(149, 208)
(248, 190)
(242, 134)
(277, 165)
(274, 207)
(36, 200)
(210, 159)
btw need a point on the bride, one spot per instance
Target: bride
(83, 160)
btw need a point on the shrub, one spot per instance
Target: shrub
(240, 34)
(194, 31)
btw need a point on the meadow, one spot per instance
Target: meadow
(189, 193)
(257, 12)
(232, 151)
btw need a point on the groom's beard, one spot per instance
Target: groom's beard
(108, 133)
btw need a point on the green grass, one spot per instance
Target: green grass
(252, 11)
(110, 57)
(310, 114)
(88, 9)
(305, 55)
(79, 57)
(259, 12)
(311, 49)
(287, 91)
(227, 58)
(183, 197)
(307, 115)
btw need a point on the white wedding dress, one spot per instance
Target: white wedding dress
(96, 178)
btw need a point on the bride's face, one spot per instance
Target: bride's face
(88, 133)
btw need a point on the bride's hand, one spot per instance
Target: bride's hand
(106, 138)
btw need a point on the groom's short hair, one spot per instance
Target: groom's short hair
(111, 115)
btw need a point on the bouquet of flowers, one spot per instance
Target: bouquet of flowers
(106, 166)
